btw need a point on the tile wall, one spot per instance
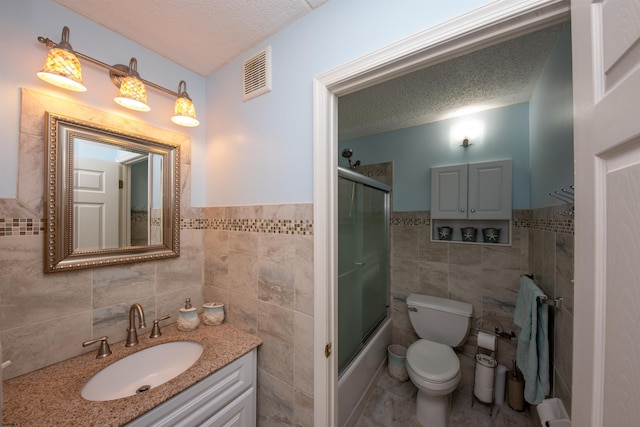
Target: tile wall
(486, 276)
(44, 318)
(553, 266)
(258, 260)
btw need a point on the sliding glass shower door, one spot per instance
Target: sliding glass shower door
(363, 261)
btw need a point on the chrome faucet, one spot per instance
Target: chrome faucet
(132, 335)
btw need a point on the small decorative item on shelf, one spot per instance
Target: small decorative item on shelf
(491, 235)
(213, 313)
(469, 234)
(444, 233)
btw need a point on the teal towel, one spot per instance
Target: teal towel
(532, 353)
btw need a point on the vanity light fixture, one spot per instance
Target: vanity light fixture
(133, 93)
(62, 69)
(184, 111)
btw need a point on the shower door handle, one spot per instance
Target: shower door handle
(360, 264)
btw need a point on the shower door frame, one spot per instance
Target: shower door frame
(358, 178)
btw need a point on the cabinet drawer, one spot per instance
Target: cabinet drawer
(239, 413)
(205, 398)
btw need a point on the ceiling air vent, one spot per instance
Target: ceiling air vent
(256, 74)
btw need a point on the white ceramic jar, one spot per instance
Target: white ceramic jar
(213, 313)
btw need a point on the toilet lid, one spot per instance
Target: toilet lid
(433, 361)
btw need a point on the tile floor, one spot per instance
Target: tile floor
(393, 404)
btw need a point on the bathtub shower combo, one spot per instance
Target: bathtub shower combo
(364, 326)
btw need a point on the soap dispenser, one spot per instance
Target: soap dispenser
(188, 319)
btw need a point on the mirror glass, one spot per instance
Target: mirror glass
(112, 197)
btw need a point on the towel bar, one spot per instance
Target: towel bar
(554, 302)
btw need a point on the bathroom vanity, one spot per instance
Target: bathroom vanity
(226, 397)
(217, 389)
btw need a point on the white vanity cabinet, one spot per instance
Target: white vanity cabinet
(225, 398)
(472, 191)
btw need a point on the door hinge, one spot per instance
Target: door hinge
(327, 350)
(120, 184)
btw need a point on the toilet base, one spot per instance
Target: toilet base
(433, 411)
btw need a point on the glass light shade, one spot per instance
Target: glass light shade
(133, 94)
(185, 113)
(62, 68)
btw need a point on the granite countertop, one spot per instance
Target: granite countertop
(51, 395)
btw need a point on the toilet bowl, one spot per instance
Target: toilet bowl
(432, 365)
(434, 369)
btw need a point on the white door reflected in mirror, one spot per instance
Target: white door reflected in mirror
(117, 197)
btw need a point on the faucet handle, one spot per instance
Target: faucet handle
(155, 331)
(103, 350)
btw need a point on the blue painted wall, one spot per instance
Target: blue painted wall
(538, 136)
(243, 153)
(551, 119)
(416, 149)
(261, 151)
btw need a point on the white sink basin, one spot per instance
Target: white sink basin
(142, 371)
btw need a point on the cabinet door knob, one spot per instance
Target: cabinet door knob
(473, 210)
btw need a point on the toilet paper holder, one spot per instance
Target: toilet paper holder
(483, 381)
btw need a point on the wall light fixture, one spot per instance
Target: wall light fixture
(62, 68)
(466, 133)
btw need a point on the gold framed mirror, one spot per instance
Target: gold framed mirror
(111, 197)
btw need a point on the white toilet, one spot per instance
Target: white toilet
(432, 364)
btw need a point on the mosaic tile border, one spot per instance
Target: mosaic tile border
(561, 226)
(410, 221)
(21, 227)
(35, 227)
(139, 216)
(274, 226)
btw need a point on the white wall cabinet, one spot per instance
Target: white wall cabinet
(475, 195)
(472, 191)
(225, 398)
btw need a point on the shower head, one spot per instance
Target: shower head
(347, 153)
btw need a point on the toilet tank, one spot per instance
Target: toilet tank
(438, 319)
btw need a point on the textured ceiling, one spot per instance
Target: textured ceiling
(499, 75)
(200, 35)
(182, 30)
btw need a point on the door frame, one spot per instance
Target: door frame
(496, 22)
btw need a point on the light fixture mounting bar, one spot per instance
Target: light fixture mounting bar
(50, 43)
